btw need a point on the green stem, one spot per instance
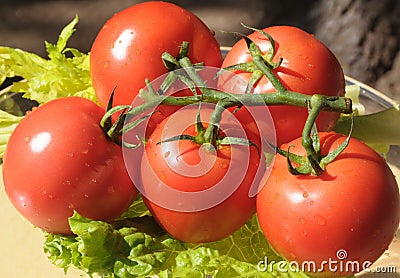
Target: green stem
(316, 103)
(210, 135)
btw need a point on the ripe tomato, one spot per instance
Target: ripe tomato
(128, 48)
(198, 195)
(58, 160)
(348, 215)
(308, 67)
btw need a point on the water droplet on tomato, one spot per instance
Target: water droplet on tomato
(305, 194)
(290, 242)
(302, 221)
(304, 232)
(23, 205)
(71, 155)
(48, 219)
(110, 189)
(320, 220)
(50, 196)
(163, 176)
(86, 196)
(311, 65)
(27, 139)
(138, 51)
(71, 206)
(125, 66)
(106, 64)
(223, 165)
(303, 57)
(94, 180)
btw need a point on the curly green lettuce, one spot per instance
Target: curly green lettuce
(136, 246)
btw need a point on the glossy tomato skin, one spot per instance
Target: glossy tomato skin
(348, 214)
(128, 48)
(308, 67)
(185, 167)
(58, 160)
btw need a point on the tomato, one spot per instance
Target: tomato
(308, 67)
(195, 194)
(348, 215)
(128, 48)
(58, 160)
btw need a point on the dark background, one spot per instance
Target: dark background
(364, 34)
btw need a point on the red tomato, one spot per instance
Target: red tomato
(194, 194)
(58, 160)
(349, 214)
(128, 48)
(308, 67)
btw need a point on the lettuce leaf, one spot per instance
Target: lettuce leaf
(7, 124)
(47, 79)
(138, 247)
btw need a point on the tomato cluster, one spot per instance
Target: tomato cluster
(199, 176)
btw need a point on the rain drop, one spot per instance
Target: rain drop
(110, 189)
(303, 57)
(320, 220)
(163, 176)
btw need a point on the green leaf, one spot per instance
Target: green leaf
(377, 129)
(8, 122)
(46, 79)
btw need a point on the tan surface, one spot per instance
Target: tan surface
(22, 254)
